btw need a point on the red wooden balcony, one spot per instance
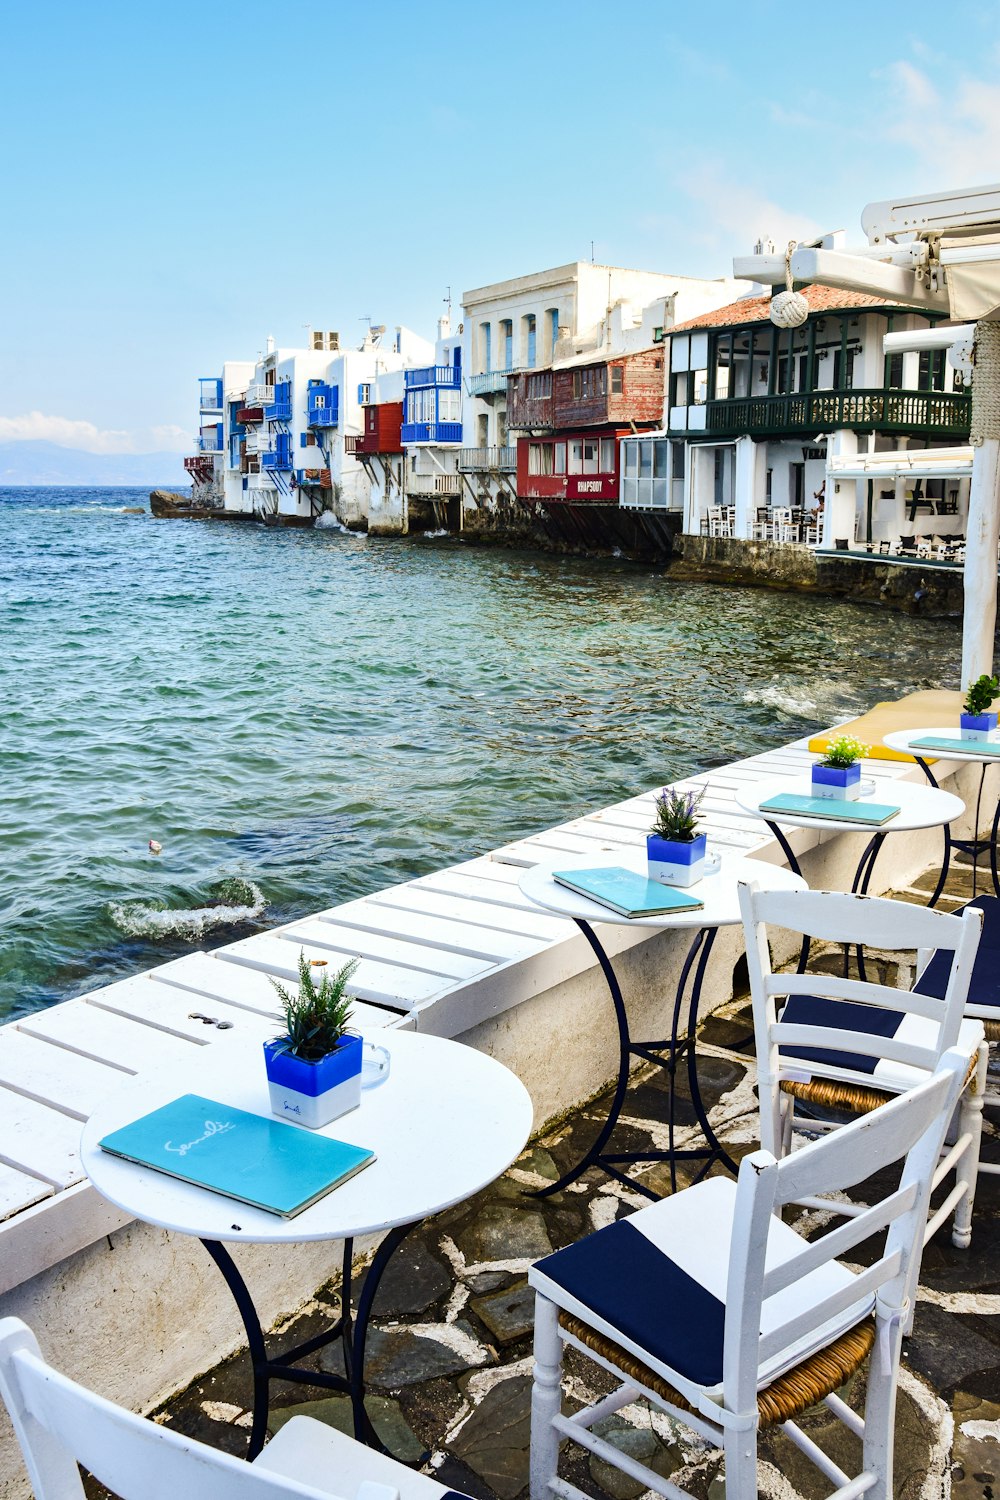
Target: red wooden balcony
(247, 414)
(574, 467)
(629, 389)
(382, 429)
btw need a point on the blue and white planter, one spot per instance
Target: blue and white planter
(837, 783)
(314, 1093)
(977, 726)
(672, 862)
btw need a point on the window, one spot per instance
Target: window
(507, 339)
(552, 319)
(617, 380)
(930, 370)
(528, 328)
(843, 375)
(364, 394)
(607, 455)
(894, 372)
(645, 465)
(680, 388)
(590, 384)
(540, 458)
(449, 406)
(560, 458)
(699, 387)
(486, 331)
(540, 386)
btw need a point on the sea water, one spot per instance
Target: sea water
(300, 717)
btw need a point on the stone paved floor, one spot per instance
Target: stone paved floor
(449, 1355)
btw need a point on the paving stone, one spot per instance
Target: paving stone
(385, 1414)
(640, 1443)
(458, 1476)
(947, 1350)
(503, 1233)
(536, 1159)
(494, 1441)
(509, 1314)
(489, 1281)
(976, 1454)
(397, 1357)
(414, 1280)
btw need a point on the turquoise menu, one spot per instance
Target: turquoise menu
(267, 1163)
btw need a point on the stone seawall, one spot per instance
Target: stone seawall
(910, 587)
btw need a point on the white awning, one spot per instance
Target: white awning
(972, 268)
(922, 463)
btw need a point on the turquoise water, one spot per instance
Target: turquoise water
(322, 715)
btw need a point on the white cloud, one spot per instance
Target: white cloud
(735, 213)
(67, 432)
(951, 130)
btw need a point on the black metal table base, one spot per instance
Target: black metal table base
(350, 1329)
(676, 1048)
(974, 846)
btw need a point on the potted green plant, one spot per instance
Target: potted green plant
(838, 774)
(976, 722)
(314, 1067)
(675, 850)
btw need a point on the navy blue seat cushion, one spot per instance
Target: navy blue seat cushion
(622, 1277)
(838, 1015)
(984, 988)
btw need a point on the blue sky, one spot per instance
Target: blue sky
(181, 180)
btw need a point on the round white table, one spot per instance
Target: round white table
(970, 754)
(445, 1123)
(919, 807)
(718, 893)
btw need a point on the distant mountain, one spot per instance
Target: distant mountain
(29, 463)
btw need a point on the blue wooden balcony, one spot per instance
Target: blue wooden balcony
(431, 432)
(490, 383)
(209, 393)
(280, 407)
(324, 406)
(448, 377)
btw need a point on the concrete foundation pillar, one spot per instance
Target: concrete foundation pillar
(748, 484)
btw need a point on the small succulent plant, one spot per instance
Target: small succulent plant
(981, 694)
(316, 1017)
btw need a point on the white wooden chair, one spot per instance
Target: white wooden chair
(716, 521)
(848, 1045)
(781, 521)
(726, 1318)
(60, 1423)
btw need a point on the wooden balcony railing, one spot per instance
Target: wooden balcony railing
(475, 460)
(930, 413)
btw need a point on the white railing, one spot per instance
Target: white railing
(473, 460)
(433, 484)
(259, 395)
(258, 441)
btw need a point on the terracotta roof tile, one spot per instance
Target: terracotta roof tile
(757, 309)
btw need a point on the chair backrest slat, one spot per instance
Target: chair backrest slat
(58, 1421)
(857, 992)
(863, 1288)
(837, 1242)
(796, 1038)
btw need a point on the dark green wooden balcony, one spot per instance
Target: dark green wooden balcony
(937, 414)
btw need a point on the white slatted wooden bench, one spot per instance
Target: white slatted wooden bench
(443, 953)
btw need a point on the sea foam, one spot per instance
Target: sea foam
(234, 901)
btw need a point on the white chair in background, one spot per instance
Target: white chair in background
(849, 1045)
(60, 1423)
(781, 521)
(727, 1319)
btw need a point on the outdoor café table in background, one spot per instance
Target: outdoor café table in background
(919, 807)
(444, 1124)
(720, 909)
(972, 752)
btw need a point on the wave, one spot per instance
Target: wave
(328, 522)
(231, 902)
(788, 703)
(429, 536)
(78, 510)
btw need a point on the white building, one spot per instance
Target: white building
(288, 459)
(218, 396)
(755, 413)
(548, 318)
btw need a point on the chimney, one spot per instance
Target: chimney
(444, 326)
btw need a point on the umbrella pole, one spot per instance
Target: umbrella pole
(980, 612)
